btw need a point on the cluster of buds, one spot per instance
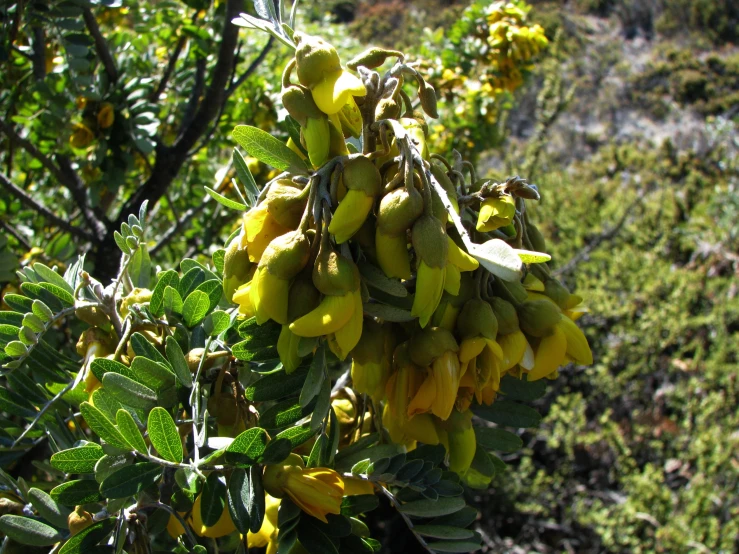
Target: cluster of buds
(383, 254)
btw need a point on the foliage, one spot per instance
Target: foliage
(375, 325)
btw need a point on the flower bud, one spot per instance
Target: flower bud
(236, 268)
(538, 317)
(303, 297)
(333, 274)
(136, 296)
(430, 343)
(371, 359)
(495, 213)
(427, 96)
(462, 442)
(398, 210)
(286, 255)
(477, 320)
(286, 202)
(79, 520)
(537, 239)
(557, 292)
(314, 59)
(505, 315)
(512, 289)
(429, 241)
(417, 132)
(299, 103)
(361, 174)
(373, 58)
(387, 108)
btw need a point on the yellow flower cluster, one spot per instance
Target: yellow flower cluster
(319, 253)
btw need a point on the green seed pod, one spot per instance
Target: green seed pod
(299, 103)
(361, 174)
(506, 316)
(398, 210)
(333, 274)
(427, 96)
(430, 343)
(314, 59)
(537, 239)
(286, 255)
(286, 202)
(236, 268)
(387, 108)
(373, 58)
(557, 292)
(537, 317)
(429, 241)
(477, 320)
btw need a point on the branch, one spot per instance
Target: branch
(101, 46)
(42, 210)
(39, 53)
(169, 70)
(15, 234)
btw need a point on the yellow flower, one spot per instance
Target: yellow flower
(392, 255)
(287, 349)
(436, 349)
(549, 355)
(224, 526)
(242, 297)
(81, 136)
(372, 359)
(267, 534)
(260, 228)
(316, 491)
(496, 213)
(459, 441)
(106, 115)
(335, 90)
(457, 261)
(429, 286)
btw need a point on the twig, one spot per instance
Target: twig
(101, 46)
(42, 210)
(15, 234)
(169, 70)
(45, 409)
(76, 188)
(39, 53)
(394, 501)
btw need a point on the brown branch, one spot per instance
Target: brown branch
(169, 70)
(39, 53)
(101, 46)
(12, 231)
(19, 193)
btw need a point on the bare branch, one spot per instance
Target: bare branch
(19, 193)
(101, 46)
(15, 234)
(39, 53)
(169, 70)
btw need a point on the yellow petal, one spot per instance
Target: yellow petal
(287, 348)
(549, 355)
(532, 282)
(348, 336)
(513, 346)
(335, 89)
(577, 345)
(446, 372)
(350, 215)
(392, 255)
(242, 297)
(328, 317)
(260, 228)
(317, 140)
(460, 258)
(452, 279)
(354, 486)
(470, 348)
(269, 296)
(421, 428)
(429, 286)
(424, 398)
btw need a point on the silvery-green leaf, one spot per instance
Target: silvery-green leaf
(499, 258)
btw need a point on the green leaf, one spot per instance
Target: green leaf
(72, 493)
(81, 459)
(275, 386)
(16, 349)
(172, 301)
(82, 542)
(214, 289)
(191, 280)
(40, 309)
(256, 504)
(268, 149)
(164, 436)
(219, 257)
(277, 451)
(153, 374)
(15, 404)
(128, 392)
(131, 480)
(314, 540)
(213, 499)
(216, 323)
(462, 518)
(519, 389)
(531, 257)
(48, 508)
(248, 447)
(297, 435)
(498, 439)
(130, 431)
(323, 403)
(101, 425)
(238, 499)
(372, 454)
(454, 546)
(375, 277)
(509, 414)
(177, 359)
(359, 504)
(49, 275)
(435, 508)
(166, 278)
(29, 531)
(142, 347)
(498, 257)
(61, 293)
(283, 414)
(139, 268)
(443, 532)
(101, 366)
(245, 177)
(238, 206)
(195, 308)
(314, 379)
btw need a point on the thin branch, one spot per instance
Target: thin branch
(76, 187)
(39, 53)
(42, 210)
(15, 234)
(101, 46)
(195, 94)
(169, 70)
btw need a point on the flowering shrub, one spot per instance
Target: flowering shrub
(378, 319)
